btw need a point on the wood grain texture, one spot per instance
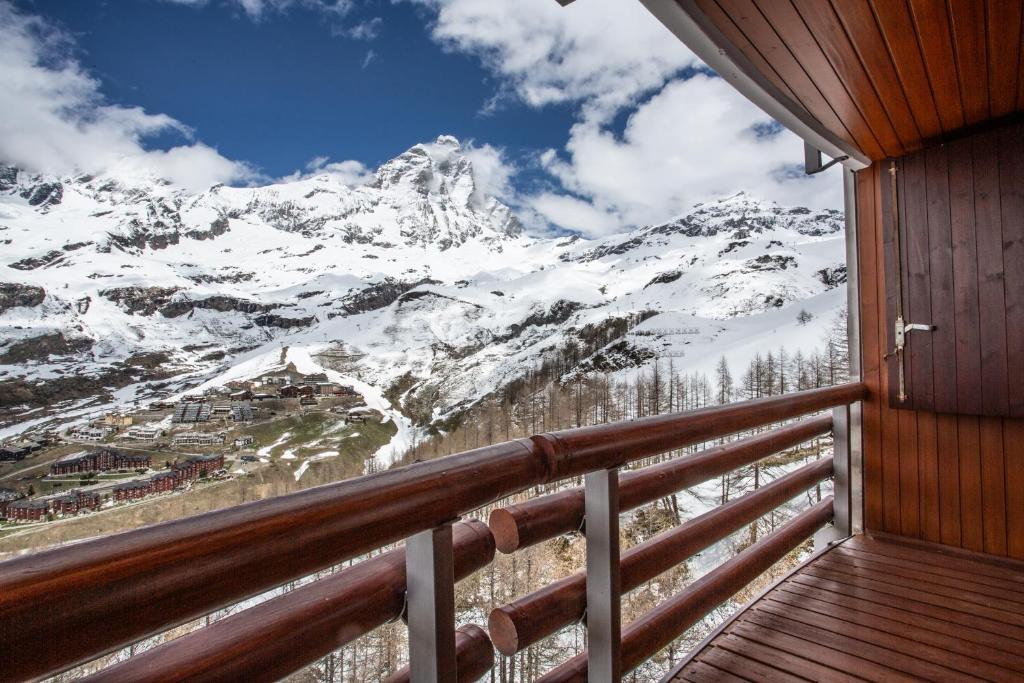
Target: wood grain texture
(957, 479)
(889, 76)
(878, 609)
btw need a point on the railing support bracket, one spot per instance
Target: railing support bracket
(430, 599)
(604, 586)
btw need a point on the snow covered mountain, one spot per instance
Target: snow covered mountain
(415, 285)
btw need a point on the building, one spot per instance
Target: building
(244, 440)
(144, 433)
(327, 389)
(7, 496)
(242, 412)
(190, 412)
(198, 438)
(244, 395)
(100, 460)
(307, 401)
(92, 432)
(117, 420)
(197, 466)
(315, 378)
(296, 390)
(58, 505)
(18, 450)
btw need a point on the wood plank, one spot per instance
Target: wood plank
(790, 28)
(928, 477)
(942, 371)
(757, 32)
(1011, 202)
(734, 35)
(904, 667)
(929, 658)
(914, 602)
(832, 660)
(991, 301)
(835, 45)
(971, 515)
(947, 433)
(915, 173)
(947, 569)
(699, 672)
(931, 24)
(972, 642)
(987, 594)
(896, 23)
(871, 304)
(1013, 432)
(748, 669)
(1003, 21)
(871, 48)
(966, 321)
(792, 659)
(933, 595)
(890, 419)
(1008, 570)
(993, 485)
(967, 21)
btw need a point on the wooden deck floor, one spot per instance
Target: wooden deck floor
(878, 610)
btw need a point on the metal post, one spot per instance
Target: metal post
(430, 596)
(604, 587)
(841, 468)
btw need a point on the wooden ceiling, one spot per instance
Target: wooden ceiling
(885, 76)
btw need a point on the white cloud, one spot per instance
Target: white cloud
(256, 9)
(368, 58)
(492, 172)
(56, 121)
(349, 172)
(690, 141)
(693, 141)
(605, 53)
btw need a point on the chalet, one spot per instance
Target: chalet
(188, 412)
(100, 460)
(307, 401)
(244, 441)
(144, 433)
(326, 389)
(263, 396)
(315, 378)
(345, 390)
(283, 378)
(296, 390)
(198, 438)
(244, 395)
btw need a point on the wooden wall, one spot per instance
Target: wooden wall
(952, 479)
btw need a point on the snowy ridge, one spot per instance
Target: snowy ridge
(413, 285)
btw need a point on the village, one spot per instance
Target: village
(119, 458)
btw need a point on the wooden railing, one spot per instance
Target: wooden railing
(66, 606)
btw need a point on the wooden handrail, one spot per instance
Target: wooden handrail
(573, 452)
(539, 519)
(650, 633)
(527, 620)
(141, 582)
(280, 636)
(474, 656)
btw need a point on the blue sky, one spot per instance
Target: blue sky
(589, 118)
(289, 87)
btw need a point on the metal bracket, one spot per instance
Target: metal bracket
(903, 329)
(813, 160)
